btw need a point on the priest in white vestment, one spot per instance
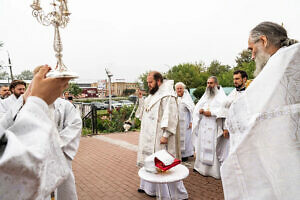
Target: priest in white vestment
(185, 108)
(240, 78)
(208, 121)
(265, 162)
(32, 163)
(17, 87)
(159, 120)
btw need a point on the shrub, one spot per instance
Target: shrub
(119, 116)
(199, 92)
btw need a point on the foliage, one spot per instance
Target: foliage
(4, 75)
(244, 62)
(128, 92)
(24, 75)
(226, 79)
(199, 92)
(119, 116)
(243, 57)
(249, 68)
(143, 79)
(86, 131)
(74, 89)
(216, 68)
(192, 75)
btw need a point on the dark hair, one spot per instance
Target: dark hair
(275, 34)
(156, 76)
(14, 83)
(243, 73)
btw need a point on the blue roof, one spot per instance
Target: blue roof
(227, 90)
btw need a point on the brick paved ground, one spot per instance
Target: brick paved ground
(99, 175)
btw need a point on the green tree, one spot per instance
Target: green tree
(25, 75)
(226, 79)
(192, 75)
(243, 57)
(199, 91)
(143, 79)
(216, 68)
(244, 62)
(74, 89)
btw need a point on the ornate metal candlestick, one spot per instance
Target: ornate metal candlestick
(59, 17)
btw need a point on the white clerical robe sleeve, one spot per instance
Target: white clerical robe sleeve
(32, 164)
(140, 110)
(169, 118)
(70, 134)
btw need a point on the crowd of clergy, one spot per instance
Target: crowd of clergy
(248, 139)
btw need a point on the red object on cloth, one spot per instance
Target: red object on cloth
(159, 164)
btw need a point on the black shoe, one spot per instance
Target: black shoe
(150, 195)
(141, 190)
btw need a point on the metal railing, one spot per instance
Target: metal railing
(88, 111)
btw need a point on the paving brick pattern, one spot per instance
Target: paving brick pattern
(107, 171)
(130, 137)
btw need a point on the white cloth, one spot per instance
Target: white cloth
(31, 163)
(232, 97)
(186, 108)
(6, 104)
(207, 130)
(223, 144)
(265, 161)
(168, 191)
(159, 117)
(69, 124)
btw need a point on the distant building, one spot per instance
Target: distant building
(88, 92)
(89, 88)
(100, 88)
(118, 87)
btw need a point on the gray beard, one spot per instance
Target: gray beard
(211, 92)
(261, 60)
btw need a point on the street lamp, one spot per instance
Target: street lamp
(109, 75)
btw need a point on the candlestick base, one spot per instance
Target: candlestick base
(63, 74)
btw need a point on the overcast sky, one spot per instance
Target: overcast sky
(133, 36)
